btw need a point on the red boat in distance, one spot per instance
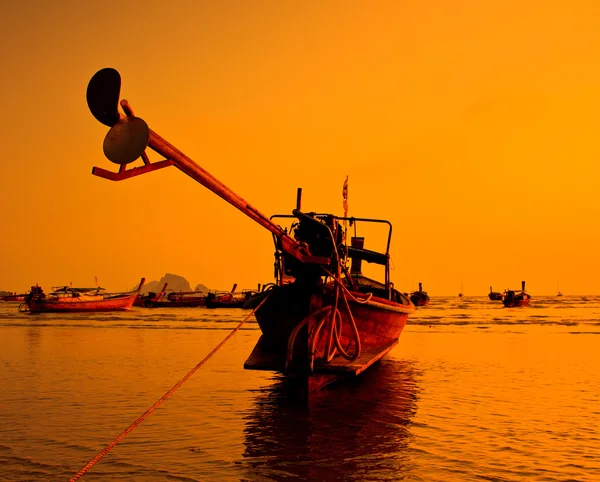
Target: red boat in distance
(419, 298)
(66, 299)
(228, 299)
(150, 298)
(13, 298)
(187, 299)
(173, 299)
(321, 321)
(514, 299)
(494, 295)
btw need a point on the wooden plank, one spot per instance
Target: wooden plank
(367, 358)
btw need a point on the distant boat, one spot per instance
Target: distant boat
(174, 299)
(254, 299)
(559, 294)
(228, 299)
(513, 299)
(14, 297)
(494, 295)
(419, 298)
(150, 299)
(65, 299)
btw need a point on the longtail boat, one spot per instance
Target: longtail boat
(13, 298)
(173, 299)
(494, 295)
(420, 297)
(255, 298)
(515, 298)
(66, 299)
(323, 320)
(149, 299)
(228, 299)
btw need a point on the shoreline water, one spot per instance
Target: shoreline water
(472, 391)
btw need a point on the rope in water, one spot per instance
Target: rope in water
(109, 447)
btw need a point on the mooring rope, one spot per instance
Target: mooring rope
(140, 419)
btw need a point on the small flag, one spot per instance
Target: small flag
(345, 197)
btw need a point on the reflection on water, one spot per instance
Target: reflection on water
(357, 430)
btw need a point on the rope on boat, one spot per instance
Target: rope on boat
(333, 315)
(140, 419)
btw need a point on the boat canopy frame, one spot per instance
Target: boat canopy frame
(355, 253)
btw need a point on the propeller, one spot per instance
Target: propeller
(103, 96)
(126, 140)
(128, 135)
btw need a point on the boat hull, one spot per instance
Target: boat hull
(515, 303)
(81, 303)
(379, 323)
(220, 304)
(73, 305)
(170, 304)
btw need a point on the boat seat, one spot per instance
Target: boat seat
(368, 255)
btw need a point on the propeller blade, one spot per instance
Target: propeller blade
(126, 140)
(103, 96)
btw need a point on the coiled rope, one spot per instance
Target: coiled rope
(331, 316)
(140, 419)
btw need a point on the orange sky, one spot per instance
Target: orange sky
(472, 126)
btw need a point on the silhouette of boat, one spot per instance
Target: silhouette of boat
(494, 295)
(73, 300)
(321, 322)
(149, 299)
(420, 297)
(228, 299)
(513, 298)
(13, 298)
(255, 298)
(183, 299)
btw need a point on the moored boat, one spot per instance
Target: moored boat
(149, 299)
(74, 300)
(182, 299)
(516, 298)
(254, 299)
(494, 295)
(228, 299)
(13, 298)
(420, 297)
(321, 321)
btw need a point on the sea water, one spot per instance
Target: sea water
(473, 391)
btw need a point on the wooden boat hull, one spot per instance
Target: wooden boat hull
(419, 298)
(516, 303)
(37, 302)
(379, 323)
(13, 298)
(73, 305)
(515, 298)
(174, 303)
(495, 296)
(225, 304)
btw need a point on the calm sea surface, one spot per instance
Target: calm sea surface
(473, 391)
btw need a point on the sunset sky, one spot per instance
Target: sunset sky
(473, 126)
